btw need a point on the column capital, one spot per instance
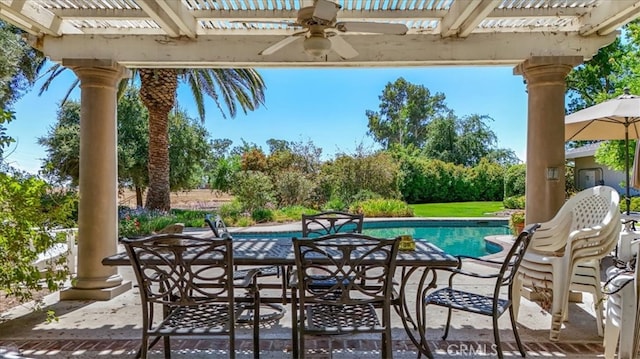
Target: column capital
(97, 71)
(546, 70)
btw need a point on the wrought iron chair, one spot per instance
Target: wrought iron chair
(324, 223)
(189, 280)
(219, 229)
(493, 306)
(347, 260)
(273, 311)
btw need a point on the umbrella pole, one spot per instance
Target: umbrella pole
(627, 198)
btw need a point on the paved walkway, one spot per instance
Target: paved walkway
(111, 329)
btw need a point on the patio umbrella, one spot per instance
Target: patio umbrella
(615, 119)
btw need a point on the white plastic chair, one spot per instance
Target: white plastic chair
(565, 252)
(52, 257)
(622, 304)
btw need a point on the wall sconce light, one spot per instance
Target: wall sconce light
(553, 173)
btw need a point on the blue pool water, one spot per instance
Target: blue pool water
(457, 237)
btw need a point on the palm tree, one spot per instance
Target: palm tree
(233, 87)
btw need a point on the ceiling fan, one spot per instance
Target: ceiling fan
(322, 30)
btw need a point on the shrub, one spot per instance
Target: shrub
(253, 189)
(135, 222)
(30, 209)
(515, 202)
(486, 181)
(347, 175)
(516, 222)
(262, 215)
(514, 180)
(291, 213)
(364, 195)
(231, 209)
(382, 208)
(242, 221)
(292, 187)
(633, 206)
(334, 204)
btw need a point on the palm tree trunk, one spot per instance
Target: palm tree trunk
(158, 93)
(138, 197)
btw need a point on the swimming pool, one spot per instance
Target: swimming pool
(457, 237)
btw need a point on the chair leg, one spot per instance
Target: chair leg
(496, 335)
(295, 341)
(144, 348)
(446, 328)
(512, 315)
(516, 288)
(611, 334)
(301, 349)
(167, 347)
(256, 321)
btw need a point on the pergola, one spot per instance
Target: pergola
(100, 39)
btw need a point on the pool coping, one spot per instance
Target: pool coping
(297, 226)
(503, 240)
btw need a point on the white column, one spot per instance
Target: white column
(97, 212)
(545, 76)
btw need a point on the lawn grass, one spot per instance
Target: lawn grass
(456, 209)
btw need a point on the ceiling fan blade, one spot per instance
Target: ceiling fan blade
(282, 43)
(325, 10)
(375, 27)
(288, 23)
(342, 47)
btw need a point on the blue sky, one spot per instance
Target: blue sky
(326, 106)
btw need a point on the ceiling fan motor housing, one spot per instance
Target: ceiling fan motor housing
(306, 18)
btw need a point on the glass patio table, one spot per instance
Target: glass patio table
(417, 266)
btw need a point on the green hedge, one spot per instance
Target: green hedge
(433, 181)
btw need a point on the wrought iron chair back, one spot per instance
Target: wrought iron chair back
(324, 223)
(217, 225)
(346, 261)
(190, 279)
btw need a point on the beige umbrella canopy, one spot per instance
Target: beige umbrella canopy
(615, 119)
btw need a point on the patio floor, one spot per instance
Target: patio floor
(111, 329)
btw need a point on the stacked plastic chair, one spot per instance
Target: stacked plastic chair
(622, 299)
(565, 252)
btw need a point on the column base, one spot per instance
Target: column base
(94, 294)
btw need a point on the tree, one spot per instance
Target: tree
(278, 145)
(133, 143)
(231, 87)
(5, 139)
(475, 139)
(603, 77)
(189, 151)
(19, 65)
(463, 141)
(441, 140)
(62, 145)
(188, 140)
(404, 112)
(600, 77)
